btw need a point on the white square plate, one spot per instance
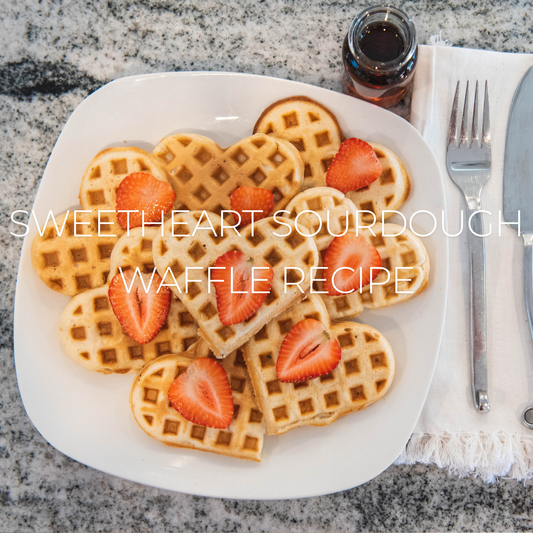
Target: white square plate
(87, 415)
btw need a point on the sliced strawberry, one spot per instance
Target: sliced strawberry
(355, 166)
(142, 192)
(351, 251)
(251, 199)
(202, 394)
(308, 351)
(235, 299)
(141, 314)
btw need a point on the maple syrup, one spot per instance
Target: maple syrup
(382, 42)
(379, 55)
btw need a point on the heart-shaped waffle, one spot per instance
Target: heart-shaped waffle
(102, 177)
(404, 251)
(72, 262)
(388, 192)
(363, 376)
(310, 127)
(154, 414)
(314, 130)
(92, 334)
(204, 175)
(324, 202)
(202, 250)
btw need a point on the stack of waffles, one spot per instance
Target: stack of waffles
(293, 144)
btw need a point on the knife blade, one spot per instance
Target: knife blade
(518, 162)
(518, 184)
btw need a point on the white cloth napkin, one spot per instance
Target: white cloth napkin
(450, 432)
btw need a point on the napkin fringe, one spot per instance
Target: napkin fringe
(437, 40)
(481, 454)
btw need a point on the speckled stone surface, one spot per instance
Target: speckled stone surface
(52, 55)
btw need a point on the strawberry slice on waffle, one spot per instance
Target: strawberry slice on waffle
(308, 351)
(246, 199)
(141, 192)
(202, 394)
(242, 286)
(355, 166)
(141, 313)
(351, 262)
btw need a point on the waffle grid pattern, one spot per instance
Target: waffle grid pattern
(388, 192)
(204, 175)
(202, 250)
(154, 414)
(327, 203)
(72, 263)
(134, 251)
(403, 251)
(362, 377)
(92, 334)
(105, 172)
(311, 128)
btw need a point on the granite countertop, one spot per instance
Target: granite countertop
(54, 53)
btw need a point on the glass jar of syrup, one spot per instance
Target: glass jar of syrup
(379, 55)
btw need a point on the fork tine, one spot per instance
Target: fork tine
(474, 118)
(486, 119)
(464, 134)
(452, 134)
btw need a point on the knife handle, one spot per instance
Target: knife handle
(478, 306)
(528, 276)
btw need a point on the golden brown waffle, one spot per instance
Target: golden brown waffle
(403, 251)
(71, 263)
(202, 250)
(93, 336)
(105, 172)
(154, 414)
(204, 175)
(314, 130)
(388, 192)
(310, 127)
(363, 376)
(326, 203)
(134, 251)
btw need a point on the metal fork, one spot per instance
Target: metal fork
(469, 163)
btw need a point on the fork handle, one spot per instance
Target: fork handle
(478, 306)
